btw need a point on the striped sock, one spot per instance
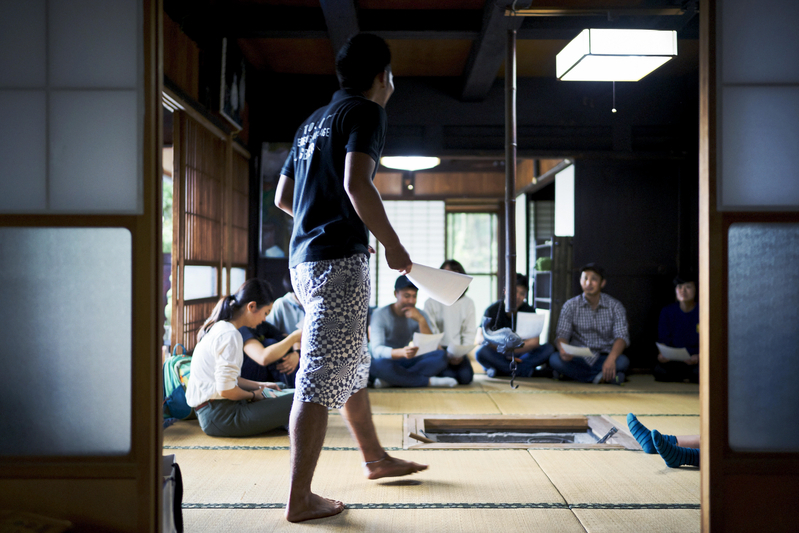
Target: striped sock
(674, 455)
(644, 436)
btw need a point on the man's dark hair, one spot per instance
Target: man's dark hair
(363, 57)
(593, 267)
(522, 281)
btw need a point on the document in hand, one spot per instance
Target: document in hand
(529, 325)
(426, 343)
(442, 285)
(459, 350)
(577, 351)
(673, 354)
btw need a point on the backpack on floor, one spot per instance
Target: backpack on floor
(176, 377)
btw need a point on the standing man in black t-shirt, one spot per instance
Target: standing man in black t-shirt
(326, 185)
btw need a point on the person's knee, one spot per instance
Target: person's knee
(556, 362)
(622, 363)
(485, 356)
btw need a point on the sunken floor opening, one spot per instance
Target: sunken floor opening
(508, 431)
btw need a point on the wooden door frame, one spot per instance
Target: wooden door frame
(740, 491)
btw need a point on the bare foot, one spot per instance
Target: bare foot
(312, 506)
(391, 467)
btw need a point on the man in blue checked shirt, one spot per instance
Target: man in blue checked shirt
(596, 321)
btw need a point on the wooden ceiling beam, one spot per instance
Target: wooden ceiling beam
(487, 53)
(341, 18)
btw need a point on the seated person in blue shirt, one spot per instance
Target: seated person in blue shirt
(596, 321)
(394, 361)
(287, 311)
(530, 355)
(678, 327)
(269, 353)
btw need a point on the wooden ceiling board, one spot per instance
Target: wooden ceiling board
(290, 56)
(429, 57)
(421, 4)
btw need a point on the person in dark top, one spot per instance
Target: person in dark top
(678, 327)
(326, 185)
(269, 354)
(528, 356)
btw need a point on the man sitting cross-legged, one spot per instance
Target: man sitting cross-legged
(528, 356)
(394, 361)
(596, 321)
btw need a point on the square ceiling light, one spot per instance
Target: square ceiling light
(615, 55)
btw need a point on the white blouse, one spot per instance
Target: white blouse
(457, 322)
(215, 364)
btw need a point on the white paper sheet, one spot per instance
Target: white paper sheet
(426, 343)
(673, 354)
(529, 325)
(577, 351)
(442, 285)
(459, 350)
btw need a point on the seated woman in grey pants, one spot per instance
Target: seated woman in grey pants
(227, 405)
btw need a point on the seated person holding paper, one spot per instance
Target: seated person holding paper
(595, 321)
(459, 325)
(394, 361)
(678, 327)
(530, 355)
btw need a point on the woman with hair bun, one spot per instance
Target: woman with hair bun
(227, 405)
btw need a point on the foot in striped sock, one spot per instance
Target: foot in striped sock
(674, 455)
(641, 434)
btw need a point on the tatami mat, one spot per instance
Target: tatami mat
(669, 425)
(618, 477)
(188, 433)
(454, 477)
(385, 520)
(429, 401)
(634, 383)
(240, 485)
(639, 520)
(607, 402)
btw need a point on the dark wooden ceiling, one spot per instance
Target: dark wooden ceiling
(462, 39)
(448, 60)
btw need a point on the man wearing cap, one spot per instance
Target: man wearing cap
(394, 360)
(678, 327)
(596, 321)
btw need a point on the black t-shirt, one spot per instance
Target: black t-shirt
(326, 225)
(499, 319)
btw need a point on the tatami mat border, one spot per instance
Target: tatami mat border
(487, 505)
(526, 391)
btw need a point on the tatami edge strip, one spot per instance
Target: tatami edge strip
(487, 505)
(492, 391)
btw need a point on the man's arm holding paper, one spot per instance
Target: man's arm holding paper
(358, 171)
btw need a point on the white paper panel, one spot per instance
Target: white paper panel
(758, 41)
(23, 60)
(66, 319)
(23, 151)
(94, 158)
(94, 43)
(760, 150)
(763, 337)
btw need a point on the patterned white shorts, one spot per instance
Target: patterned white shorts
(335, 361)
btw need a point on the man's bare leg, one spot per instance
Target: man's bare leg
(307, 428)
(357, 412)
